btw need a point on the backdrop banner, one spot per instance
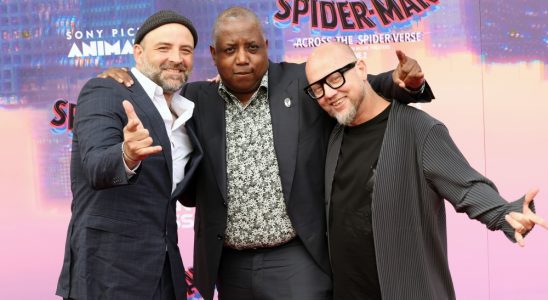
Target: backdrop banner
(484, 59)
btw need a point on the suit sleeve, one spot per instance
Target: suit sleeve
(384, 85)
(98, 128)
(448, 172)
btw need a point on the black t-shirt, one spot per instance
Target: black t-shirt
(351, 237)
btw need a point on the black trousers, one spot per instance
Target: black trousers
(285, 272)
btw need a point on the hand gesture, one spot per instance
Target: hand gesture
(137, 141)
(119, 74)
(408, 74)
(526, 220)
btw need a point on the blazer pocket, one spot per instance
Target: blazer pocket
(110, 224)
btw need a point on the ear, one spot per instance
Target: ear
(266, 43)
(213, 52)
(361, 68)
(137, 53)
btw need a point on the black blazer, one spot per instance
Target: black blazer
(120, 230)
(301, 134)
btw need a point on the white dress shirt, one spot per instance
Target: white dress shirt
(181, 147)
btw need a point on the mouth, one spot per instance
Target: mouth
(337, 103)
(173, 70)
(243, 73)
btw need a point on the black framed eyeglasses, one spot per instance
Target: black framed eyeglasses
(334, 80)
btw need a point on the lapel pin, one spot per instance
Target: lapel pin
(287, 102)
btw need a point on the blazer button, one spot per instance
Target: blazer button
(219, 236)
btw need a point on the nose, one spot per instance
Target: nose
(241, 57)
(328, 91)
(175, 56)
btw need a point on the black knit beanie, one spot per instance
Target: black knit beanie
(163, 17)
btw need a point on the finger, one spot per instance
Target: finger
(518, 227)
(523, 219)
(131, 127)
(130, 113)
(414, 68)
(136, 135)
(414, 81)
(136, 144)
(519, 239)
(531, 194)
(538, 220)
(401, 57)
(399, 82)
(147, 151)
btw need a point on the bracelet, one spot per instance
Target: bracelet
(125, 156)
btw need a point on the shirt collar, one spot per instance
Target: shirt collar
(228, 96)
(181, 105)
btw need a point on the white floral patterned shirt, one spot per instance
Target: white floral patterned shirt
(257, 214)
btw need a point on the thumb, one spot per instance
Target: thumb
(529, 197)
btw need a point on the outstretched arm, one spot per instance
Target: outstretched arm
(450, 175)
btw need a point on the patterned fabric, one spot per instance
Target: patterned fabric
(257, 215)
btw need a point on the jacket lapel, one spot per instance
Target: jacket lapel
(150, 115)
(284, 111)
(333, 149)
(214, 134)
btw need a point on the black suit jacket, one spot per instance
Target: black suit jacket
(301, 134)
(120, 229)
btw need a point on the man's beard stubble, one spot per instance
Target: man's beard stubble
(155, 74)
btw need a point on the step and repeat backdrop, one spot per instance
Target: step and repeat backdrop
(485, 60)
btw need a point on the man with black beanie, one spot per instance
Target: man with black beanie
(131, 161)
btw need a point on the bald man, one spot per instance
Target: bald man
(389, 168)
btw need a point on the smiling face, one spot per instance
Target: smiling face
(240, 54)
(343, 103)
(165, 55)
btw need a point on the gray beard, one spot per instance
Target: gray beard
(347, 117)
(155, 74)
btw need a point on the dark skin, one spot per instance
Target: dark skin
(240, 55)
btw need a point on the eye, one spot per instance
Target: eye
(335, 79)
(316, 89)
(229, 50)
(186, 51)
(253, 48)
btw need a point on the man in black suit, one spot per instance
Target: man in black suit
(131, 161)
(260, 218)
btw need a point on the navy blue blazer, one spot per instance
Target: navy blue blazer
(120, 229)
